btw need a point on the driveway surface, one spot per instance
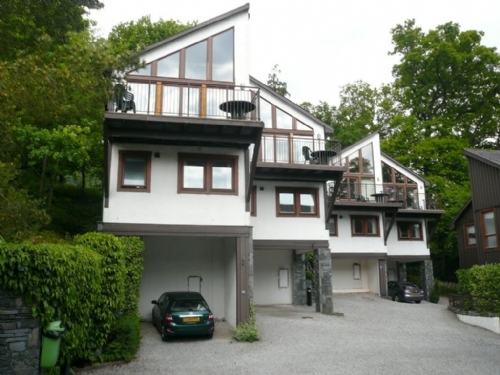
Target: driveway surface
(374, 336)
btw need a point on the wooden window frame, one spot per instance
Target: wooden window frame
(335, 225)
(296, 191)
(410, 231)
(484, 237)
(122, 154)
(365, 225)
(208, 160)
(253, 201)
(467, 244)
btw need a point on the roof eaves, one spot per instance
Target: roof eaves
(479, 155)
(328, 128)
(460, 213)
(426, 183)
(244, 8)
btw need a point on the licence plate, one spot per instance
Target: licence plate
(194, 319)
(416, 293)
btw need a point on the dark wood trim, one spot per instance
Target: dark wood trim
(483, 229)
(253, 202)
(207, 160)
(359, 255)
(387, 230)
(107, 165)
(122, 154)
(242, 280)
(467, 245)
(165, 230)
(411, 238)
(365, 225)
(331, 201)
(296, 191)
(253, 164)
(301, 245)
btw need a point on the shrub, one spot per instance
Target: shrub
(447, 288)
(124, 339)
(247, 331)
(133, 248)
(435, 293)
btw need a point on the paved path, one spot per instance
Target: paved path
(375, 336)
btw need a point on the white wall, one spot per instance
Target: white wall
(266, 225)
(343, 276)
(396, 247)
(163, 205)
(266, 267)
(168, 261)
(346, 243)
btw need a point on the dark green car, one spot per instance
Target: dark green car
(182, 314)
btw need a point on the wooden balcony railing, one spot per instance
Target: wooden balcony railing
(407, 197)
(196, 100)
(291, 150)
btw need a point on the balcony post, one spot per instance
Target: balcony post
(203, 99)
(158, 100)
(290, 149)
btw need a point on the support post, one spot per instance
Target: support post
(323, 268)
(427, 275)
(299, 279)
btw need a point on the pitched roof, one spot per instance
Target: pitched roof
(465, 207)
(262, 86)
(244, 8)
(490, 157)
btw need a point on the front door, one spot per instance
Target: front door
(382, 275)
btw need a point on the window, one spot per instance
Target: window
(409, 231)
(134, 171)
(364, 226)
(489, 230)
(210, 59)
(297, 202)
(332, 226)
(208, 174)
(470, 234)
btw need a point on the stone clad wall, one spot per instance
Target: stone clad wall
(19, 337)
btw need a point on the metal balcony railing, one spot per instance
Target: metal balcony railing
(294, 150)
(195, 100)
(406, 196)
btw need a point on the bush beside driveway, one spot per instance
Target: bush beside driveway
(374, 336)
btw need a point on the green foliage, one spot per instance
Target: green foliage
(275, 84)
(482, 283)
(123, 340)
(113, 274)
(247, 331)
(447, 288)
(435, 293)
(20, 214)
(134, 36)
(133, 248)
(64, 283)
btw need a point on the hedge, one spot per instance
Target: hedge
(482, 283)
(83, 285)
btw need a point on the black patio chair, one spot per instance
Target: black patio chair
(306, 151)
(124, 99)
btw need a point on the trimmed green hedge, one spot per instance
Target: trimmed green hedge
(83, 285)
(482, 282)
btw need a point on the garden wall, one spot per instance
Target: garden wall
(19, 337)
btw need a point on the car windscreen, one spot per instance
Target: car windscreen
(408, 285)
(189, 305)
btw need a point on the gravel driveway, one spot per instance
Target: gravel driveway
(374, 336)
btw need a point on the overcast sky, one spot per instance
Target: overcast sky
(319, 45)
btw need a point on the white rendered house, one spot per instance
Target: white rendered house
(230, 184)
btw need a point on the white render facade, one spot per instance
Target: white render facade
(230, 184)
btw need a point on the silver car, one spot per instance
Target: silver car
(404, 291)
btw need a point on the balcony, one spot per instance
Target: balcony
(405, 197)
(194, 100)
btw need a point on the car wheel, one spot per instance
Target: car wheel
(210, 335)
(393, 298)
(164, 336)
(396, 298)
(418, 301)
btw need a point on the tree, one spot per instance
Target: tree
(449, 82)
(134, 36)
(275, 84)
(22, 22)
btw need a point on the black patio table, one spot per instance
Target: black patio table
(237, 108)
(323, 155)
